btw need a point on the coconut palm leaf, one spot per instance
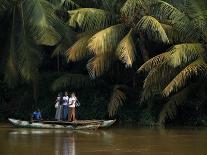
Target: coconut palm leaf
(184, 53)
(11, 70)
(99, 64)
(64, 4)
(117, 99)
(78, 50)
(157, 79)
(106, 40)
(133, 7)
(153, 29)
(40, 14)
(153, 62)
(72, 81)
(198, 67)
(126, 50)
(163, 10)
(89, 19)
(4, 5)
(28, 55)
(169, 110)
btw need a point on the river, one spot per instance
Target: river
(114, 141)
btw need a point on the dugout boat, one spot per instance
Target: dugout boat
(75, 125)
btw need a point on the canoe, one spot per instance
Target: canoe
(76, 125)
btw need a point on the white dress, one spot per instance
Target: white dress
(58, 113)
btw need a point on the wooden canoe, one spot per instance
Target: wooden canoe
(76, 125)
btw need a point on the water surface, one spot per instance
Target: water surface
(117, 141)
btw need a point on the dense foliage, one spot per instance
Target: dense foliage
(95, 48)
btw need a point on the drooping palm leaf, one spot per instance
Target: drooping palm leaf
(126, 50)
(197, 68)
(133, 7)
(153, 29)
(157, 79)
(72, 81)
(89, 19)
(64, 4)
(40, 14)
(117, 99)
(169, 110)
(153, 62)
(79, 49)
(163, 10)
(11, 74)
(99, 64)
(106, 40)
(184, 53)
(4, 5)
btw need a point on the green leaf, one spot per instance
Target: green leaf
(197, 68)
(99, 64)
(153, 29)
(126, 50)
(117, 99)
(72, 81)
(90, 19)
(78, 50)
(105, 41)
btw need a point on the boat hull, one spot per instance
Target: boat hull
(79, 125)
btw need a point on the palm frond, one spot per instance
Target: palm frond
(153, 29)
(29, 56)
(68, 37)
(11, 74)
(169, 110)
(29, 59)
(126, 50)
(79, 49)
(163, 10)
(185, 53)
(157, 79)
(198, 67)
(40, 14)
(69, 4)
(64, 4)
(117, 99)
(4, 5)
(99, 64)
(153, 62)
(133, 7)
(106, 40)
(89, 19)
(72, 81)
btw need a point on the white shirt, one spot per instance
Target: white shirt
(72, 101)
(65, 100)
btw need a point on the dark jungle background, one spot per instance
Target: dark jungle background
(140, 62)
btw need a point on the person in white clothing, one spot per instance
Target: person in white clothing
(65, 106)
(72, 103)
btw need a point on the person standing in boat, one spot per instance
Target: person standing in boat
(65, 106)
(72, 105)
(58, 106)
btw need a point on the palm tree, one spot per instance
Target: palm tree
(107, 35)
(176, 73)
(31, 23)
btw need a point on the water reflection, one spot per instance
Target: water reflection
(65, 146)
(144, 141)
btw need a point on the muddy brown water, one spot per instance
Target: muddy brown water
(114, 141)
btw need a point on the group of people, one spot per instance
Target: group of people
(65, 107)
